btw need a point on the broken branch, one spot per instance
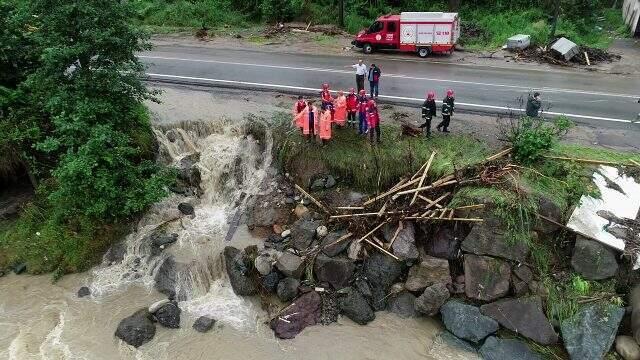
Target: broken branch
(424, 175)
(318, 203)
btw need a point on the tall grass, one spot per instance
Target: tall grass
(188, 14)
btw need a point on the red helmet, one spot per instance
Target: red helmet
(450, 93)
(325, 86)
(362, 92)
(431, 95)
(353, 91)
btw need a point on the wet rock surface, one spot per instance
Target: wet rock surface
(506, 349)
(444, 244)
(524, 316)
(486, 278)
(238, 272)
(432, 299)
(354, 306)
(203, 324)
(290, 265)
(466, 321)
(337, 271)
(165, 278)
(590, 333)
(303, 232)
(428, 272)
(488, 238)
(303, 312)
(592, 260)
(270, 281)
(84, 291)
(287, 289)
(136, 329)
(186, 208)
(329, 247)
(381, 271)
(627, 347)
(403, 305)
(168, 315)
(404, 244)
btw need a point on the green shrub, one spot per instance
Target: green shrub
(531, 137)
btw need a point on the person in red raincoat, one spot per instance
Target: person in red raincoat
(373, 121)
(340, 114)
(352, 107)
(298, 109)
(310, 121)
(324, 126)
(362, 112)
(327, 99)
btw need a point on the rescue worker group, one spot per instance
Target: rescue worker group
(358, 108)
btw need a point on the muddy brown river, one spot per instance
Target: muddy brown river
(44, 320)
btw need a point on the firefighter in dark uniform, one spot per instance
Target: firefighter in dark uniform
(446, 117)
(428, 112)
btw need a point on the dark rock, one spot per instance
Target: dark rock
(354, 306)
(445, 244)
(288, 289)
(523, 316)
(593, 260)
(430, 271)
(550, 210)
(303, 232)
(486, 278)
(589, 334)
(136, 329)
(332, 237)
(168, 315)
(160, 241)
(363, 288)
(432, 299)
(488, 238)
(404, 245)
(403, 305)
(303, 312)
(116, 253)
(2, 273)
(20, 268)
(289, 201)
(238, 272)
(381, 271)
(259, 215)
(466, 321)
(455, 348)
(520, 288)
(330, 182)
(336, 271)
(157, 305)
(188, 172)
(290, 265)
(203, 324)
(506, 349)
(84, 291)
(270, 281)
(186, 208)
(171, 135)
(318, 184)
(329, 311)
(165, 278)
(523, 273)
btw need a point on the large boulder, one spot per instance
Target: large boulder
(486, 278)
(159, 241)
(329, 247)
(466, 321)
(444, 244)
(264, 211)
(428, 272)
(404, 245)
(239, 272)
(593, 260)
(116, 253)
(303, 312)
(381, 271)
(432, 299)
(589, 334)
(403, 305)
(337, 271)
(136, 329)
(203, 324)
(550, 210)
(523, 316)
(270, 281)
(168, 315)
(303, 232)
(506, 349)
(489, 238)
(166, 277)
(188, 175)
(288, 289)
(627, 347)
(354, 306)
(290, 265)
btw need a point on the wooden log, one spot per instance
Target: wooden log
(419, 172)
(344, 216)
(390, 192)
(424, 176)
(318, 203)
(383, 209)
(586, 57)
(349, 207)
(431, 202)
(443, 213)
(635, 162)
(588, 161)
(417, 218)
(477, 206)
(425, 188)
(395, 235)
(339, 240)
(437, 201)
(498, 155)
(381, 249)
(374, 230)
(451, 214)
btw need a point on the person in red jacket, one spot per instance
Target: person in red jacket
(373, 121)
(362, 112)
(352, 107)
(298, 108)
(327, 99)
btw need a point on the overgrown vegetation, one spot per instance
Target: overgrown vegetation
(71, 111)
(532, 137)
(587, 22)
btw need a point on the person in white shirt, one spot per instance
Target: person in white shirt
(361, 72)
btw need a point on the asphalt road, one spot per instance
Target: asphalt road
(595, 98)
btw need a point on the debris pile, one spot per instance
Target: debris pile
(583, 56)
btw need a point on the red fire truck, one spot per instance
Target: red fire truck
(420, 32)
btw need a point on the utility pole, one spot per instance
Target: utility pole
(341, 13)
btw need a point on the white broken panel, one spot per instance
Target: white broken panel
(565, 47)
(625, 204)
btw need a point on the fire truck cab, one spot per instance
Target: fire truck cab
(420, 32)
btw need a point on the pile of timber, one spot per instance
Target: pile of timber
(413, 199)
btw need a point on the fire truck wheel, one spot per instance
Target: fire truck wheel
(423, 52)
(367, 48)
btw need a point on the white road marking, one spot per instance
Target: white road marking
(523, 88)
(291, 87)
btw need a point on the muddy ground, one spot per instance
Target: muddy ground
(192, 103)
